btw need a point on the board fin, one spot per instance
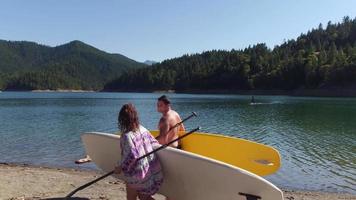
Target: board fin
(250, 196)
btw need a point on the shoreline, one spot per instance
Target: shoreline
(27, 182)
(332, 92)
(60, 90)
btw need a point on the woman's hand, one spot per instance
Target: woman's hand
(117, 170)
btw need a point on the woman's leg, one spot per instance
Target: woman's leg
(131, 194)
(145, 197)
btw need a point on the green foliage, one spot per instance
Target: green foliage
(320, 58)
(76, 65)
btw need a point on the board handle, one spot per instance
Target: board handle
(264, 162)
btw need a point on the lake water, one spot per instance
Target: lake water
(315, 136)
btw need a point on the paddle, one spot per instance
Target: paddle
(194, 114)
(69, 198)
(112, 172)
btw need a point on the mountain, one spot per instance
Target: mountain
(150, 62)
(322, 58)
(75, 65)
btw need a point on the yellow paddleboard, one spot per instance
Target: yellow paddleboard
(252, 156)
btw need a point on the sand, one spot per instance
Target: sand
(23, 182)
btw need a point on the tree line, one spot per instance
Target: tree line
(323, 57)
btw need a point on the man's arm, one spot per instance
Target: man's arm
(181, 127)
(163, 131)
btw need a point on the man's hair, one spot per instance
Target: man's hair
(164, 99)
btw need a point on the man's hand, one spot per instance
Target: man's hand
(117, 170)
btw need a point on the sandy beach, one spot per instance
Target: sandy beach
(23, 182)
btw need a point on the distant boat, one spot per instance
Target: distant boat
(252, 104)
(252, 99)
(265, 103)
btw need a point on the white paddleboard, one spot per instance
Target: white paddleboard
(187, 176)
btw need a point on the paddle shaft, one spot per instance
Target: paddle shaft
(160, 148)
(88, 184)
(169, 143)
(194, 114)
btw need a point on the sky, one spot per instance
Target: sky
(162, 29)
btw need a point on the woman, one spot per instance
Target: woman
(143, 177)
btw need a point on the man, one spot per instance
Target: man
(168, 120)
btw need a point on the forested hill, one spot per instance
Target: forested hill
(75, 65)
(324, 57)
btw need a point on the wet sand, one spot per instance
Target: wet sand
(22, 182)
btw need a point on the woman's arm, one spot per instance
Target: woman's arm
(117, 169)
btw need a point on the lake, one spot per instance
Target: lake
(315, 136)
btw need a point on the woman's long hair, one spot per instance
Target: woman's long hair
(128, 118)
